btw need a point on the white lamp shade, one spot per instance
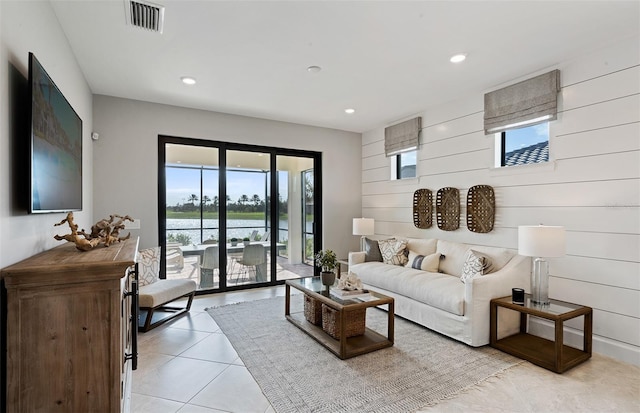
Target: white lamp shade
(541, 241)
(363, 226)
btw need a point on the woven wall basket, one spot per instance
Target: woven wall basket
(448, 208)
(481, 208)
(423, 208)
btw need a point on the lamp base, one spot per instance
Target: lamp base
(540, 282)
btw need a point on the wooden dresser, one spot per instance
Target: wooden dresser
(69, 337)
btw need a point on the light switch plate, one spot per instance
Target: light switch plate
(132, 225)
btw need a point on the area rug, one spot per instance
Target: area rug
(297, 374)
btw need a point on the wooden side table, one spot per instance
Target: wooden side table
(552, 355)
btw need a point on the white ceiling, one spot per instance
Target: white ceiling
(386, 59)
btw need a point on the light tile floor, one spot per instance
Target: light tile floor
(189, 366)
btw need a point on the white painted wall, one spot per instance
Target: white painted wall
(31, 26)
(592, 188)
(126, 160)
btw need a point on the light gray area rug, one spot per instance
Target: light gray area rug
(297, 374)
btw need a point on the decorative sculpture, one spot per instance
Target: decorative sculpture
(106, 231)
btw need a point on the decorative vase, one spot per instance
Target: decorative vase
(246, 243)
(328, 278)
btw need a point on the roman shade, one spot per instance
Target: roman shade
(402, 137)
(525, 103)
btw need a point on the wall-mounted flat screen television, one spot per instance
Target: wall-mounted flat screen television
(56, 146)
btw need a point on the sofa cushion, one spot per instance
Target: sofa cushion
(454, 256)
(425, 263)
(393, 251)
(372, 250)
(435, 289)
(164, 291)
(422, 246)
(148, 266)
(499, 256)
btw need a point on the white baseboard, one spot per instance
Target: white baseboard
(602, 345)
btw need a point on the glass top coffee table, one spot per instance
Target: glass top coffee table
(344, 347)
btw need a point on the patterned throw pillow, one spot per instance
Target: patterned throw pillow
(429, 263)
(148, 265)
(393, 251)
(475, 265)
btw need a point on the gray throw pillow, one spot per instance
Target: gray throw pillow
(371, 250)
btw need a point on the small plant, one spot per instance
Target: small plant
(246, 239)
(326, 260)
(183, 239)
(234, 239)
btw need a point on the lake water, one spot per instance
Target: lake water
(238, 228)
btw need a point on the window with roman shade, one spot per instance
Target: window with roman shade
(402, 137)
(526, 103)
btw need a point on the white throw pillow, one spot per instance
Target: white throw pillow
(393, 251)
(429, 263)
(148, 265)
(475, 265)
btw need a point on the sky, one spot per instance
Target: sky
(181, 183)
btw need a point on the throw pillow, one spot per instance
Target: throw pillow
(393, 251)
(148, 265)
(475, 265)
(429, 263)
(371, 250)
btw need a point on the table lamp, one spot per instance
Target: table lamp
(541, 242)
(363, 227)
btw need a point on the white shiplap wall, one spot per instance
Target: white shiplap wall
(591, 186)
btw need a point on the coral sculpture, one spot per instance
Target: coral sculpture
(105, 231)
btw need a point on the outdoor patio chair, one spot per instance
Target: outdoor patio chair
(210, 262)
(252, 256)
(175, 259)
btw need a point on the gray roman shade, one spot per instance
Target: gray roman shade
(402, 137)
(526, 103)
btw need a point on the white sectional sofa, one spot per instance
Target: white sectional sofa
(451, 294)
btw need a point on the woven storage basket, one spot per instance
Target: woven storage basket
(312, 310)
(354, 322)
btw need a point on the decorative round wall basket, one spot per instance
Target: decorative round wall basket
(448, 208)
(481, 208)
(423, 208)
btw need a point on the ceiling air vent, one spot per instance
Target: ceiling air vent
(144, 15)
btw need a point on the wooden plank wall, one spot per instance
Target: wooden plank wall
(591, 186)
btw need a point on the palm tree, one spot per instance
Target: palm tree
(243, 200)
(256, 201)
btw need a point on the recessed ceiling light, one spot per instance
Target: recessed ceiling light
(350, 111)
(314, 69)
(458, 58)
(188, 80)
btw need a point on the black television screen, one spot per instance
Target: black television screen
(56, 146)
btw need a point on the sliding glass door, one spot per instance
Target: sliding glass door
(235, 216)
(248, 228)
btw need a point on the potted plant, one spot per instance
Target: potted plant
(234, 241)
(328, 262)
(246, 241)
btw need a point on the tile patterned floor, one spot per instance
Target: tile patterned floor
(189, 366)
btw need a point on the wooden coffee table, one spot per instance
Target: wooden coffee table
(345, 347)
